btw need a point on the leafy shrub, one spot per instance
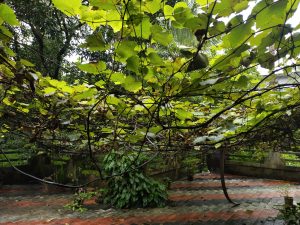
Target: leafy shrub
(191, 163)
(287, 157)
(291, 215)
(79, 198)
(17, 149)
(128, 186)
(249, 156)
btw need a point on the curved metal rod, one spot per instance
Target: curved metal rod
(224, 188)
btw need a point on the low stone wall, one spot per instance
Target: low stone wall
(41, 167)
(263, 170)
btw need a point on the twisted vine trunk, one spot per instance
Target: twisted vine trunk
(224, 188)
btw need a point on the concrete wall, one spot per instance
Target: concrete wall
(264, 170)
(272, 167)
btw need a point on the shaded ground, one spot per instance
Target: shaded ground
(191, 202)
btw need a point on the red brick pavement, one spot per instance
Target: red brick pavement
(10, 207)
(39, 203)
(273, 194)
(158, 219)
(235, 184)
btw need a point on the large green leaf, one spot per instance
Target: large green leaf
(126, 49)
(133, 63)
(257, 39)
(93, 67)
(182, 14)
(204, 2)
(152, 6)
(272, 15)
(103, 4)
(49, 91)
(168, 12)
(70, 8)
(95, 42)
(130, 84)
(142, 29)
(183, 114)
(88, 93)
(241, 6)
(196, 23)
(217, 28)
(224, 8)
(242, 81)
(161, 36)
(117, 78)
(155, 59)
(238, 35)
(113, 19)
(8, 15)
(111, 99)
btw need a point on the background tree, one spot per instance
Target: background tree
(46, 36)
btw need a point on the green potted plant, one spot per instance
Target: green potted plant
(167, 181)
(190, 164)
(288, 200)
(190, 174)
(290, 215)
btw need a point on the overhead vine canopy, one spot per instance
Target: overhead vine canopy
(157, 89)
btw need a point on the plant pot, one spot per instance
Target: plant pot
(190, 177)
(168, 184)
(288, 201)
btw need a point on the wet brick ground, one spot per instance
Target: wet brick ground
(198, 202)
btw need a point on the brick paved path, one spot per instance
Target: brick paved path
(198, 202)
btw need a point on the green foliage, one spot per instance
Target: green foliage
(78, 201)
(18, 150)
(145, 76)
(46, 38)
(291, 215)
(128, 186)
(94, 68)
(7, 15)
(161, 36)
(70, 8)
(139, 86)
(288, 157)
(191, 163)
(249, 155)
